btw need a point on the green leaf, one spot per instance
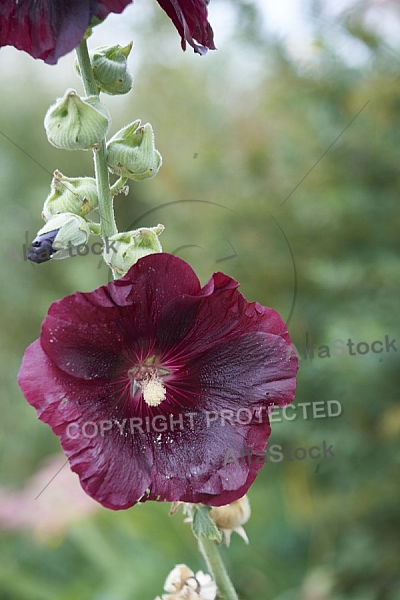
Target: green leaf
(204, 525)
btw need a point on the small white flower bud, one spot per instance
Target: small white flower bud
(183, 584)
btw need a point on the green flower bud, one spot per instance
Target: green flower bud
(123, 250)
(75, 123)
(110, 69)
(70, 231)
(131, 152)
(77, 195)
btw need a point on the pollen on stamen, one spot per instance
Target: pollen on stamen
(153, 390)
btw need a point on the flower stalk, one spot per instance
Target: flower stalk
(106, 205)
(211, 554)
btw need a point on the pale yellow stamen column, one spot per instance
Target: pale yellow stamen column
(153, 390)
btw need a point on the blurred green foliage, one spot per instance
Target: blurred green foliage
(238, 131)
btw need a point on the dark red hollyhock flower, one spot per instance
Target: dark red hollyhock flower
(190, 19)
(48, 29)
(160, 389)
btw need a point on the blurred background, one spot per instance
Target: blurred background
(281, 168)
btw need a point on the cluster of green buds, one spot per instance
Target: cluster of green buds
(81, 123)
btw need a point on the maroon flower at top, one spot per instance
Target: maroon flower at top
(190, 19)
(48, 29)
(160, 389)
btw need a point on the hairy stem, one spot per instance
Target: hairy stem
(210, 551)
(106, 208)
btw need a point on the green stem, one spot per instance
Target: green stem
(106, 203)
(209, 550)
(119, 186)
(85, 68)
(106, 208)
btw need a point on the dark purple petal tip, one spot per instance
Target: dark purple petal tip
(41, 249)
(190, 19)
(158, 388)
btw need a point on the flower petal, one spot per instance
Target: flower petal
(83, 333)
(48, 29)
(107, 466)
(190, 19)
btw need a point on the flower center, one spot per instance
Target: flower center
(146, 378)
(153, 390)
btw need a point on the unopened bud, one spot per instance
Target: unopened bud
(77, 195)
(58, 237)
(131, 152)
(75, 123)
(123, 250)
(110, 70)
(41, 249)
(231, 517)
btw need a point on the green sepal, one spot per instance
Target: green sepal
(203, 525)
(95, 228)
